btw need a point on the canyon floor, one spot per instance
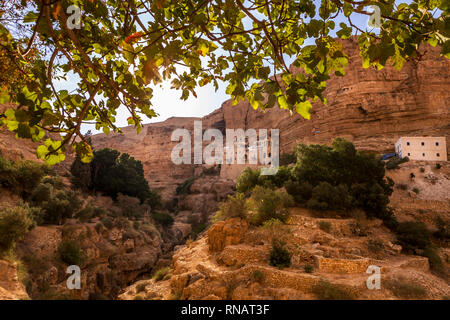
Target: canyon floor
(230, 259)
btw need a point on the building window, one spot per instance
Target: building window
(437, 154)
(423, 154)
(423, 143)
(407, 143)
(437, 143)
(409, 154)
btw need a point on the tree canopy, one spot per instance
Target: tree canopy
(121, 47)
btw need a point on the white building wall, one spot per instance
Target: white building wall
(422, 148)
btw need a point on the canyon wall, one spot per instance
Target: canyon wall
(372, 108)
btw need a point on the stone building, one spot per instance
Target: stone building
(422, 148)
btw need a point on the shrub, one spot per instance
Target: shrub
(325, 226)
(99, 227)
(267, 204)
(247, 180)
(107, 222)
(42, 192)
(280, 257)
(14, 224)
(130, 207)
(438, 166)
(136, 225)
(435, 261)
(375, 246)
(413, 235)
(415, 190)
(422, 169)
(141, 287)
(277, 180)
(234, 207)
(22, 176)
(443, 229)
(55, 181)
(198, 228)
(288, 158)
(300, 191)
(258, 276)
(327, 197)
(405, 289)
(71, 253)
(309, 268)
(86, 213)
(185, 187)
(324, 290)
(394, 162)
(161, 274)
(163, 219)
(62, 205)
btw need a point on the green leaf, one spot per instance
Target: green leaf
(303, 109)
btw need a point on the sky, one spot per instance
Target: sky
(167, 103)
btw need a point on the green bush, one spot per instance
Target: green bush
(443, 229)
(288, 158)
(394, 162)
(300, 191)
(434, 260)
(21, 177)
(247, 180)
(185, 187)
(163, 219)
(325, 290)
(258, 276)
(14, 224)
(234, 207)
(71, 253)
(325, 226)
(280, 257)
(85, 214)
(161, 274)
(62, 205)
(405, 289)
(438, 166)
(375, 246)
(107, 222)
(267, 204)
(415, 190)
(130, 207)
(327, 197)
(339, 178)
(413, 235)
(309, 268)
(42, 192)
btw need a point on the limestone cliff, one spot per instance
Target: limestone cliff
(372, 108)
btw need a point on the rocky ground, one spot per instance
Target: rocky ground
(231, 259)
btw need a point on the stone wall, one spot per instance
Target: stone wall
(329, 265)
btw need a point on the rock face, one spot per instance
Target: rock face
(225, 233)
(113, 257)
(372, 108)
(10, 286)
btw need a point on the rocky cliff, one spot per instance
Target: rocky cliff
(372, 108)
